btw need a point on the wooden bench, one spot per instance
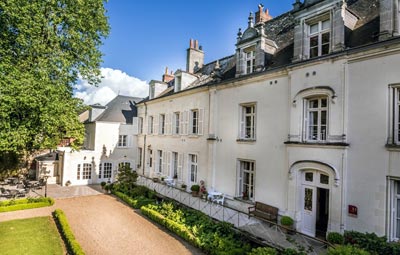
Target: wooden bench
(264, 211)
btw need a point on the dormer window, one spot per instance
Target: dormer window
(250, 59)
(320, 37)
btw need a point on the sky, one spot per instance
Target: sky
(147, 36)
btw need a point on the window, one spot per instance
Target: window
(246, 179)
(123, 141)
(319, 38)
(395, 126)
(160, 161)
(175, 164)
(87, 171)
(78, 172)
(193, 168)
(247, 122)
(317, 119)
(107, 168)
(194, 121)
(150, 125)
(250, 59)
(140, 125)
(140, 153)
(394, 208)
(150, 157)
(100, 168)
(124, 164)
(162, 124)
(175, 124)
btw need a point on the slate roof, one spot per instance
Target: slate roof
(121, 109)
(281, 30)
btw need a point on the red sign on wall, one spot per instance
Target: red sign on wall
(353, 210)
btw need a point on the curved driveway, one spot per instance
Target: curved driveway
(103, 225)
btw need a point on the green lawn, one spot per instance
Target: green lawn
(30, 236)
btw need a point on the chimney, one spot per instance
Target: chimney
(195, 57)
(262, 16)
(167, 77)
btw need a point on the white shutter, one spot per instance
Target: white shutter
(130, 140)
(164, 163)
(185, 122)
(173, 123)
(168, 123)
(181, 123)
(200, 121)
(155, 124)
(241, 122)
(155, 161)
(168, 163)
(180, 165)
(190, 131)
(148, 124)
(135, 125)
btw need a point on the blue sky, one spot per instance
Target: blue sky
(147, 36)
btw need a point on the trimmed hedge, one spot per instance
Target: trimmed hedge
(134, 202)
(372, 243)
(347, 250)
(73, 246)
(198, 229)
(25, 203)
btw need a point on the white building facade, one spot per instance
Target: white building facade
(304, 117)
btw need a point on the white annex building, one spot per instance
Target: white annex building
(304, 116)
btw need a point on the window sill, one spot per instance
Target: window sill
(242, 140)
(246, 201)
(392, 147)
(193, 136)
(322, 144)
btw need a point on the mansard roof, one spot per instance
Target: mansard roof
(281, 31)
(121, 109)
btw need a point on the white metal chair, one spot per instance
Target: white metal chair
(219, 199)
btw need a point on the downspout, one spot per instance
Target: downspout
(144, 140)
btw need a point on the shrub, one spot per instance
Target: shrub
(135, 203)
(263, 251)
(371, 242)
(286, 221)
(103, 184)
(195, 188)
(62, 223)
(335, 238)
(347, 250)
(290, 251)
(25, 203)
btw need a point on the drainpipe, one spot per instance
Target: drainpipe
(144, 140)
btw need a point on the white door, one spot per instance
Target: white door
(309, 210)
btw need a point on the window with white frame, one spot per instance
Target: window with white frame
(140, 125)
(194, 121)
(250, 59)
(150, 125)
(316, 120)
(394, 137)
(87, 171)
(394, 208)
(175, 164)
(150, 152)
(107, 170)
(100, 170)
(246, 179)
(78, 172)
(247, 121)
(175, 123)
(123, 141)
(160, 161)
(162, 124)
(139, 155)
(192, 160)
(319, 37)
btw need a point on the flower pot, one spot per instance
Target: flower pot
(195, 193)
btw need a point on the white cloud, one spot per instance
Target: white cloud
(114, 82)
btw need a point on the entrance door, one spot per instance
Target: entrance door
(309, 210)
(322, 212)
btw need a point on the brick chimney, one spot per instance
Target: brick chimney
(262, 16)
(195, 57)
(167, 77)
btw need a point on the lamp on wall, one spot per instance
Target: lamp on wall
(46, 176)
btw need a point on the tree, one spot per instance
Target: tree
(45, 46)
(126, 178)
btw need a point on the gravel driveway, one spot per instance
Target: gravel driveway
(103, 225)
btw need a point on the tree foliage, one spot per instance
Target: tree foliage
(45, 46)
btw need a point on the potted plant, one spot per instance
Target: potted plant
(183, 186)
(103, 184)
(335, 238)
(245, 196)
(195, 190)
(107, 188)
(68, 183)
(287, 224)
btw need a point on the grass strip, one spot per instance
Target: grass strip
(25, 203)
